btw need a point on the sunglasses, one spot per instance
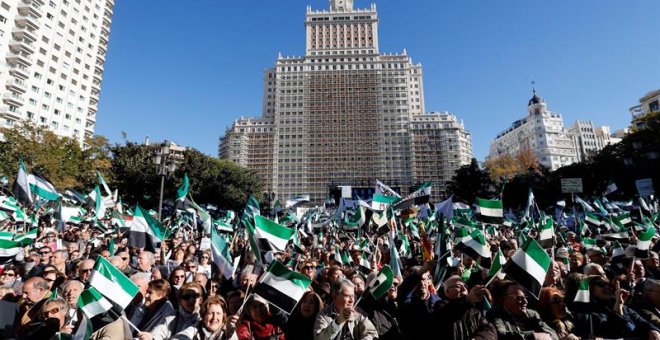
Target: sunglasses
(179, 276)
(44, 252)
(205, 257)
(308, 267)
(8, 274)
(191, 267)
(86, 270)
(190, 296)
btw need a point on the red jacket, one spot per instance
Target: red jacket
(250, 330)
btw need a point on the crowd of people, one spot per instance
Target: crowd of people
(183, 294)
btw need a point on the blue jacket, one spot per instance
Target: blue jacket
(415, 313)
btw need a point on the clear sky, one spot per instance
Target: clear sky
(184, 70)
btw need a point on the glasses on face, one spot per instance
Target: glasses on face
(44, 252)
(179, 276)
(191, 267)
(85, 270)
(190, 296)
(519, 298)
(8, 274)
(205, 257)
(309, 268)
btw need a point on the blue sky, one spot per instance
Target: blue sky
(184, 73)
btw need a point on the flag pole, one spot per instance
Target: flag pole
(493, 278)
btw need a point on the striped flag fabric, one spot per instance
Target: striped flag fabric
(395, 261)
(223, 226)
(589, 243)
(221, 254)
(474, 245)
(92, 303)
(365, 265)
(381, 202)
(496, 267)
(282, 287)
(21, 188)
(617, 250)
(491, 211)
(8, 250)
(99, 206)
(182, 191)
(528, 266)
(461, 209)
(27, 238)
(270, 235)
(145, 230)
(644, 242)
(383, 189)
(583, 295)
(546, 236)
(115, 286)
(380, 284)
(586, 206)
(41, 187)
(418, 197)
(294, 201)
(104, 184)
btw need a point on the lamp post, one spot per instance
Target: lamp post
(269, 196)
(165, 165)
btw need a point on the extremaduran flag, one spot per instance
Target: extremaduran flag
(282, 287)
(528, 266)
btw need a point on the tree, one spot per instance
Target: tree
(60, 159)
(471, 181)
(506, 167)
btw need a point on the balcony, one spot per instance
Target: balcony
(21, 57)
(32, 8)
(16, 85)
(19, 71)
(13, 99)
(94, 95)
(28, 20)
(21, 45)
(24, 33)
(36, 2)
(12, 112)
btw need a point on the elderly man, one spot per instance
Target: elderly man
(141, 280)
(145, 262)
(59, 261)
(460, 315)
(340, 320)
(85, 270)
(513, 320)
(71, 291)
(35, 294)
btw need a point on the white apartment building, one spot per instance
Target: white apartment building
(341, 115)
(440, 146)
(650, 102)
(542, 132)
(52, 56)
(589, 139)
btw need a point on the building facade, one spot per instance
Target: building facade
(589, 139)
(649, 103)
(341, 115)
(542, 132)
(53, 56)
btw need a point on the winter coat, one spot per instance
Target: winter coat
(326, 328)
(509, 326)
(174, 324)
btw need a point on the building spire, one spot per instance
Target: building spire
(534, 87)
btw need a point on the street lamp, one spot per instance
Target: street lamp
(269, 196)
(165, 165)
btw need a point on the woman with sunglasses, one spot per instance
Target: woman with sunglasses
(205, 264)
(11, 277)
(51, 320)
(552, 308)
(190, 300)
(215, 324)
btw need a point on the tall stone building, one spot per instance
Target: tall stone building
(54, 56)
(542, 132)
(341, 115)
(589, 139)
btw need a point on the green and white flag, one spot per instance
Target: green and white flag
(223, 226)
(145, 230)
(589, 243)
(28, 238)
(221, 254)
(583, 295)
(92, 303)
(644, 242)
(22, 186)
(8, 250)
(381, 202)
(592, 218)
(207, 222)
(112, 282)
(182, 191)
(270, 235)
(546, 236)
(617, 250)
(528, 266)
(491, 211)
(282, 287)
(103, 183)
(99, 206)
(365, 265)
(6, 235)
(380, 284)
(42, 188)
(496, 267)
(474, 245)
